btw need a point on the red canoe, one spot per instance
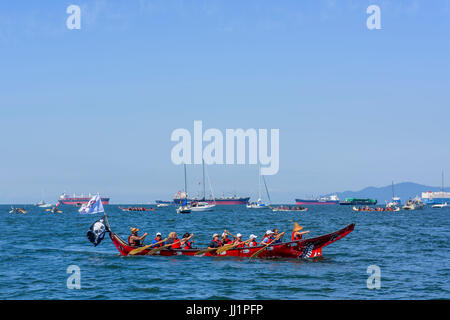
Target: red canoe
(308, 248)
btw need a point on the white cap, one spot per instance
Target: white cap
(158, 233)
(269, 232)
(239, 235)
(252, 236)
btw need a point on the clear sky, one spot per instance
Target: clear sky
(92, 110)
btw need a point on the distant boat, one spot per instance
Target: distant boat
(42, 204)
(259, 204)
(357, 201)
(415, 204)
(78, 200)
(163, 203)
(182, 196)
(443, 204)
(18, 210)
(334, 199)
(395, 202)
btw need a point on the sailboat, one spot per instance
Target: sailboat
(443, 204)
(202, 205)
(395, 202)
(184, 207)
(259, 203)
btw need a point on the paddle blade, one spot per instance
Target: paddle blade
(137, 250)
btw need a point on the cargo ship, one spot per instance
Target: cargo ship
(435, 197)
(182, 197)
(358, 201)
(75, 200)
(319, 201)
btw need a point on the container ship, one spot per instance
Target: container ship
(435, 197)
(181, 197)
(319, 201)
(356, 201)
(75, 200)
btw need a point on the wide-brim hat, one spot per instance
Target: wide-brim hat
(133, 230)
(297, 227)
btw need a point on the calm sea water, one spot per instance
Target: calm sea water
(411, 248)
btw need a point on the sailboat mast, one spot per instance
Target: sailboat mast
(185, 184)
(204, 189)
(259, 183)
(267, 190)
(393, 194)
(442, 186)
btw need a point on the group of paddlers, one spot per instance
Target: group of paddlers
(379, 209)
(137, 209)
(226, 239)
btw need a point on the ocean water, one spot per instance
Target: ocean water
(411, 249)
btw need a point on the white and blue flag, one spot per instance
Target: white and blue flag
(93, 206)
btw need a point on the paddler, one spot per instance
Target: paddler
(134, 239)
(253, 242)
(225, 239)
(157, 239)
(267, 237)
(296, 235)
(185, 243)
(215, 243)
(173, 239)
(276, 233)
(238, 242)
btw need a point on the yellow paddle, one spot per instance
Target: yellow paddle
(259, 251)
(231, 246)
(140, 249)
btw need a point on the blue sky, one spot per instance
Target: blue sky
(92, 110)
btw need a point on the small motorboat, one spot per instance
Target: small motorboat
(53, 210)
(415, 204)
(184, 209)
(289, 209)
(42, 204)
(202, 206)
(440, 205)
(257, 205)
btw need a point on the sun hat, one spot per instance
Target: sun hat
(269, 232)
(252, 236)
(133, 230)
(239, 235)
(158, 233)
(297, 227)
(215, 235)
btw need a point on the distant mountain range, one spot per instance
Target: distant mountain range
(404, 190)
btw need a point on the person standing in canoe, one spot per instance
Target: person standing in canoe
(157, 239)
(173, 239)
(134, 240)
(215, 243)
(185, 243)
(296, 235)
(253, 242)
